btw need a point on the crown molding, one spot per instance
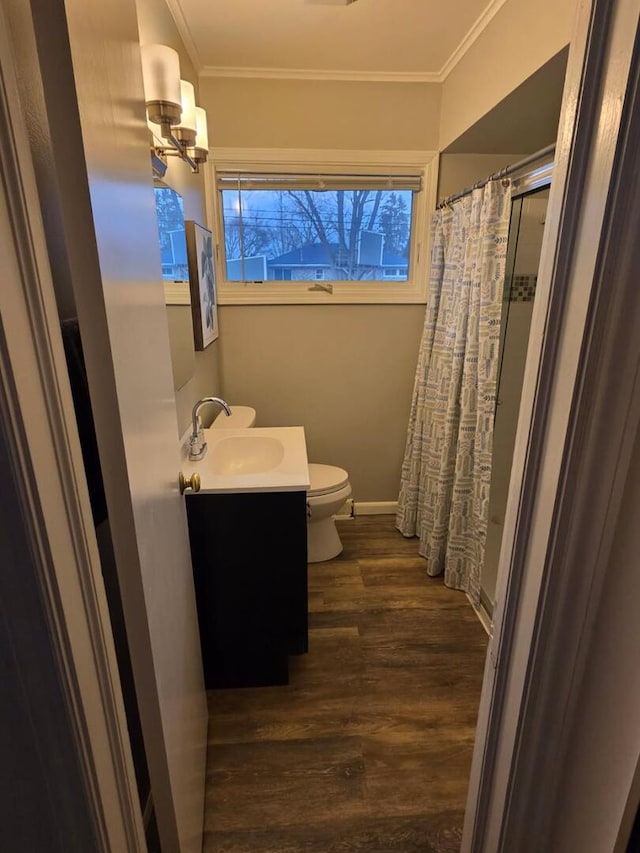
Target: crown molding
(329, 157)
(243, 72)
(321, 74)
(474, 33)
(182, 26)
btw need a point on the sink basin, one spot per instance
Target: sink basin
(246, 454)
(259, 459)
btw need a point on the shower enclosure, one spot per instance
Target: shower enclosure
(528, 212)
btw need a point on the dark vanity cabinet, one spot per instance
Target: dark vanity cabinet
(249, 554)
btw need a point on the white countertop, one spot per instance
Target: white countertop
(290, 474)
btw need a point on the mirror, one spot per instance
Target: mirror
(173, 251)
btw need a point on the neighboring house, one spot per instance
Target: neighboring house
(328, 262)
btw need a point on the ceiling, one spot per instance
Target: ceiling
(384, 38)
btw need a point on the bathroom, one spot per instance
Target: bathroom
(342, 369)
(352, 395)
(351, 378)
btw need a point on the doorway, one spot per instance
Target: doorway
(390, 690)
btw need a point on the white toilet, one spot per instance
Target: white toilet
(329, 490)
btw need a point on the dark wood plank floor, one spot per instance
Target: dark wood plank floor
(369, 747)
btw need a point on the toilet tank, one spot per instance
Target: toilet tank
(241, 417)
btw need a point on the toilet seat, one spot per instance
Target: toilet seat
(325, 479)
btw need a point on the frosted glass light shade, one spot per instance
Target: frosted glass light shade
(202, 133)
(188, 101)
(200, 150)
(161, 77)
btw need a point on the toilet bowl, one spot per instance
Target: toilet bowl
(329, 489)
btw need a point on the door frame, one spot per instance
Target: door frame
(525, 679)
(45, 452)
(573, 444)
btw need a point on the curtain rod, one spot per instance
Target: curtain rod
(503, 173)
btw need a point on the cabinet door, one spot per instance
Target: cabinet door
(250, 571)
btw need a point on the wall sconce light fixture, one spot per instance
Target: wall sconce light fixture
(171, 104)
(201, 146)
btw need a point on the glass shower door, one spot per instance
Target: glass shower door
(526, 229)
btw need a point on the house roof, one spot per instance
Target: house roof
(319, 255)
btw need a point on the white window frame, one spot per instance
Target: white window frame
(414, 290)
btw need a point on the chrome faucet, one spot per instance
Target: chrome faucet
(197, 444)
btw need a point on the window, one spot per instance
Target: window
(173, 243)
(359, 227)
(355, 233)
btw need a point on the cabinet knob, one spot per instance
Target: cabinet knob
(192, 482)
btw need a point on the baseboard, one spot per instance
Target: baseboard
(346, 511)
(486, 603)
(376, 507)
(483, 616)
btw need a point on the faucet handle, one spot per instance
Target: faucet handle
(197, 444)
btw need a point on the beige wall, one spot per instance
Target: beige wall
(180, 323)
(156, 24)
(520, 39)
(250, 113)
(526, 120)
(344, 372)
(459, 171)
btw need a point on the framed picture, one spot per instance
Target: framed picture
(202, 284)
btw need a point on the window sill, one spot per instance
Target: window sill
(259, 294)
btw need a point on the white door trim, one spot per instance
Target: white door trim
(558, 527)
(47, 457)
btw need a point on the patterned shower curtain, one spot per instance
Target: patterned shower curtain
(446, 472)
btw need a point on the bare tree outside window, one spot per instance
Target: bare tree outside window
(171, 236)
(352, 234)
